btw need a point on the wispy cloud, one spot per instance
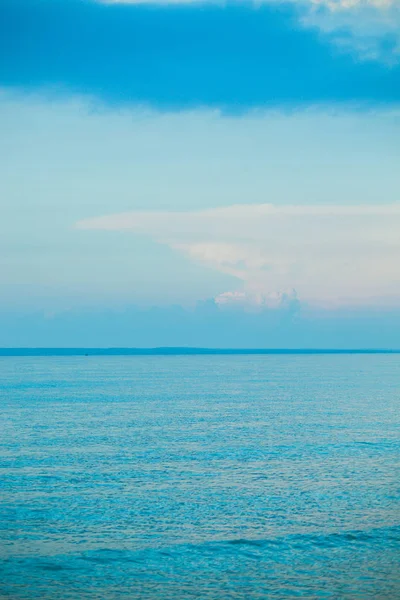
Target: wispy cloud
(329, 254)
(256, 302)
(370, 29)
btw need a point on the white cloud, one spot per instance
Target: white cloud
(368, 28)
(258, 301)
(329, 254)
(349, 4)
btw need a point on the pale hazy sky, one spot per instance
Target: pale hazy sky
(243, 154)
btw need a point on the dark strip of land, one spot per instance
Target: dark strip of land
(183, 351)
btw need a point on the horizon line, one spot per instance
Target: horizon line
(181, 351)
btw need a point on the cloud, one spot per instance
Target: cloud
(332, 255)
(370, 29)
(350, 4)
(257, 302)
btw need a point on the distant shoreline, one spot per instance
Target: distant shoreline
(175, 351)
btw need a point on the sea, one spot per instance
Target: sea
(208, 477)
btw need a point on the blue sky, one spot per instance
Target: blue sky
(233, 164)
(233, 56)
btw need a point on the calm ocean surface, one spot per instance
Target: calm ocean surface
(215, 477)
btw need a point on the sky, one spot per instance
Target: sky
(200, 173)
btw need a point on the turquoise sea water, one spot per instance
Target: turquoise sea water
(215, 477)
